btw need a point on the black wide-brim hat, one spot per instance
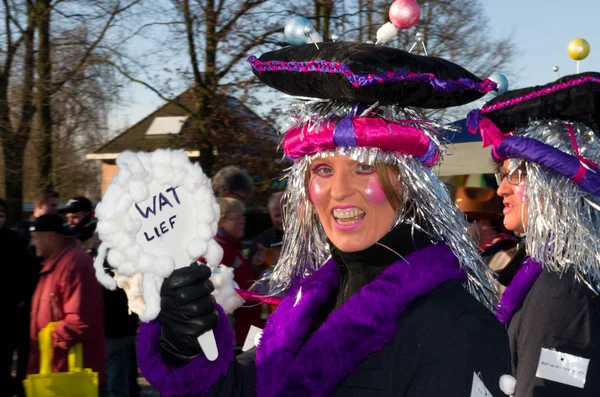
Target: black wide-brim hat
(368, 73)
(571, 99)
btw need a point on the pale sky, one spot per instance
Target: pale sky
(542, 30)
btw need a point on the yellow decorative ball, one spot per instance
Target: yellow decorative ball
(578, 49)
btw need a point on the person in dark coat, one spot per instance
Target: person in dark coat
(120, 329)
(386, 294)
(229, 236)
(19, 274)
(79, 213)
(549, 181)
(266, 247)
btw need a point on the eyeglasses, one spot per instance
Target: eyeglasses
(235, 217)
(241, 197)
(515, 177)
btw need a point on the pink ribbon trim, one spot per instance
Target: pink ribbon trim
(256, 297)
(370, 132)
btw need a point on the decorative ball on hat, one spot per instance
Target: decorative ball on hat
(386, 33)
(404, 14)
(298, 30)
(578, 49)
(501, 82)
(555, 68)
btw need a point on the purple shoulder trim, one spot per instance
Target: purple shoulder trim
(198, 376)
(364, 80)
(517, 291)
(541, 92)
(287, 364)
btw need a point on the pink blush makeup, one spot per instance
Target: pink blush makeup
(374, 191)
(315, 191)
(520, 192)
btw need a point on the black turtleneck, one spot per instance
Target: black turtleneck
(357, 269)
(504, 276)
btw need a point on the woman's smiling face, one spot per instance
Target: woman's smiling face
(350, 202)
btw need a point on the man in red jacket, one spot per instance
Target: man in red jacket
(67, 292)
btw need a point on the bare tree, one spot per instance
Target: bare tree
(16, 110)
(79, 119)
(218, 36)
(54, 17)
(72, 41)
(323, 12)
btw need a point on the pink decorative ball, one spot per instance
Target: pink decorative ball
(405, 14)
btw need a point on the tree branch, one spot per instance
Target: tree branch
(244, 51)
(88, 53)
(245, 7)
(148, 86)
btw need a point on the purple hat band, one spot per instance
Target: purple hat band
(580, 170)
(553, 158)
(361, 132)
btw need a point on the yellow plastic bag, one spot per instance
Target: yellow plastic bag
(78, 382)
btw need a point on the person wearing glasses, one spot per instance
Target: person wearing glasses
(546, 144)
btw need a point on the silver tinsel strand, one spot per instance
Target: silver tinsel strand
(563, 232)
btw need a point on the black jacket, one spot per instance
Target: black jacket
(412, 331)
(20, 272)
(558, 313)
(426, 358)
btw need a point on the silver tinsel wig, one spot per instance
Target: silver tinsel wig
(563, 230)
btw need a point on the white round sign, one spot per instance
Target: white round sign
(158, 213)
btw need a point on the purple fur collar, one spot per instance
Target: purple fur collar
(363, 325)
(515, 294)
(198, 376)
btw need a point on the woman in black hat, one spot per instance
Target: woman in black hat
(546, 143)
(382, 279)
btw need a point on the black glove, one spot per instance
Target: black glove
(187, 310)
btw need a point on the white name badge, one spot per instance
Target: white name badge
(562, 367)
(478, 389)
(252, 339)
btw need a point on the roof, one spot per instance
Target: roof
(135, 137)
(465, 154)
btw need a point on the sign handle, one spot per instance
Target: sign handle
(209, 345)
